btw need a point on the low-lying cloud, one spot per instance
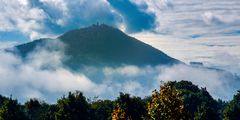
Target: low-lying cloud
(42, 75)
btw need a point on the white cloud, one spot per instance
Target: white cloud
(20, 16)
(204, 49)
(59, 6)
(79, 12)
(227, 61)
(218, 83)
(133, 87)
(45, 18)
(197, 17)
(24, 2)
(43, 76)
(226, 18)
(7, 44)
(129, 70)
(181, 19)
(34, 78)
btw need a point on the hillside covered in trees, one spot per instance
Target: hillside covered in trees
(98, 45)
(175, 100)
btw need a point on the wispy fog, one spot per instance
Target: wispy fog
(42, 75)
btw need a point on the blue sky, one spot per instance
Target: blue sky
(179, 28)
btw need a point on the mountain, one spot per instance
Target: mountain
(102, 45)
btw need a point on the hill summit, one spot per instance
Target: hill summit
(103, 45)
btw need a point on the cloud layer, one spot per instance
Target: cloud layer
(196, 30)
(218, 52)
(43, 76)
(194, 18)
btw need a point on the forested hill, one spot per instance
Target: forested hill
(102, 45)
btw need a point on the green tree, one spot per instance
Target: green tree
(166, 104)
(73, 107)
(134, 107)
(232, 109)
(37, 110)
(11, 110)
(33, 108)
(2, 98)
(198, 103)
(101, 109)
(49, 114)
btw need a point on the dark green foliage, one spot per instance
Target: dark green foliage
(101, 109)
(33, 108)
(11, 110)
(232, 109)
(37, 110)
(2, 99)
(73, 107)
(134, 107)
(221, 106)
(198, 103)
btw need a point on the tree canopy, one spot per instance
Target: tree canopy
(232, 109)
(167, 104)
(174, 100)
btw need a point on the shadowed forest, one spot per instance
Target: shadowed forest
(174, 101)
